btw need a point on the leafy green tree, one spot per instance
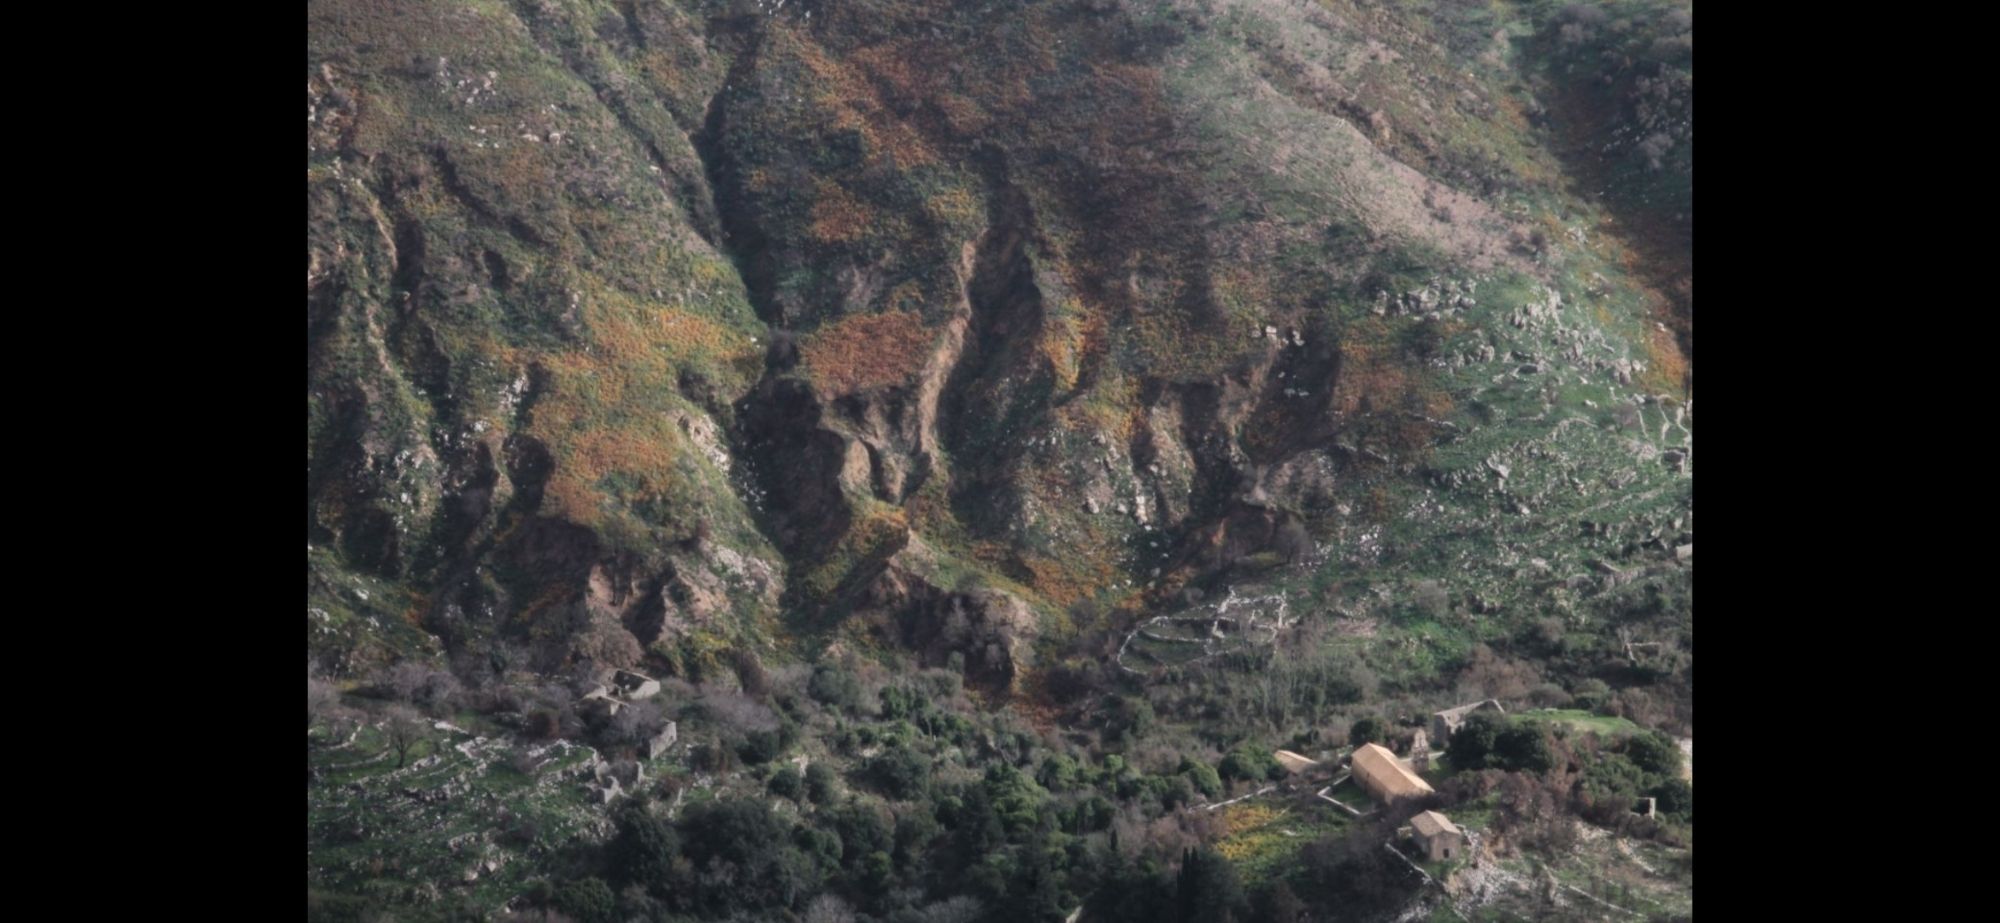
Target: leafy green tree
(1655, 753)
(644, 848)
(1277, 904)
(1473, 743)
(1207, 889)
(822, 845)
(1058, 773)
(901, 772)
(1591, 694)
(1676, 798)
(1367, 730)
(745, 857)
(863, 828)
(915, 830)
(1035, 893)
(731, 829)
(1128, 893)
(877, 871)
(786, 783)
(1090, 815)
(834, 686)
(1610, 778)
(975, 827)
(1522, 747)
(1016, 799)
(1202, 776)
(760, 747)
(589, 900)
(896, 704)
(1249, 761)
(1129, 719)
(822, 783)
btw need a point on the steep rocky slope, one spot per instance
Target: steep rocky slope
(661, 330)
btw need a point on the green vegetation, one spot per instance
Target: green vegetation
(1604, 725)
(780, 356)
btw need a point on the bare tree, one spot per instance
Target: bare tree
(405, 681)
(321, 697)
(414, 683)
(736, 712)
(827, 908)
(636, 722)
(604, 643)
(961, 909)
(405, 728)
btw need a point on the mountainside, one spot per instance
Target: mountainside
(706, 338)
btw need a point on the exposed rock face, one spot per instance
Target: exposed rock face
(991, 630)
(626, 333)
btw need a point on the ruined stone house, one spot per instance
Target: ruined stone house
(1447, 722)
(602, 704)
(636, 686)
(598, 705)
(657, 745)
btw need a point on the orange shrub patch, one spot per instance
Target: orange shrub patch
(1666, 367)
(863, 352)
(837, 216)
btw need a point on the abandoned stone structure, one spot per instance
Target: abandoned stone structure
(635, 686)
(1447, 722)
(1384, 777)
(1439, 837)
(659, 743)
(603, 704)
(610, 781)
(598, 705)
